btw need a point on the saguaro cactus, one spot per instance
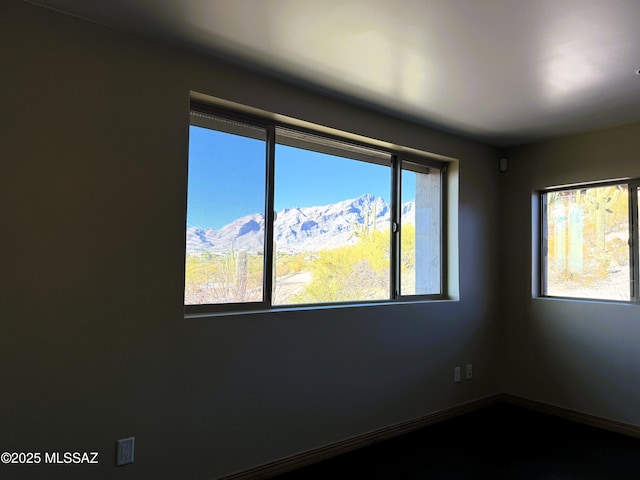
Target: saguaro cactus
(600, 201)
(363, 230)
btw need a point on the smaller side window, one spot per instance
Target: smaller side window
(586, 238)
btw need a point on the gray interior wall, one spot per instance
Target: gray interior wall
(580, 355)
(94, 346)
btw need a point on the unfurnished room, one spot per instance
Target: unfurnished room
(251, 239)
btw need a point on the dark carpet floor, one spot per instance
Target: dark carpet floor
(501, 442)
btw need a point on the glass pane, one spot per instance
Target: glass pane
(225, 214)
(420, 233)
(588, 243)
(332, 228)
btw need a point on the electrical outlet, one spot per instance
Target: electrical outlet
(456, 375)
(124, 454)
(469, 371)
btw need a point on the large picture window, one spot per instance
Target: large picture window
(283, 216)
(590, 242)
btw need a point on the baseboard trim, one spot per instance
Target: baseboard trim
(309, 457)
(573, 415)
(293, 462)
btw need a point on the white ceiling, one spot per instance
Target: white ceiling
(502, 71)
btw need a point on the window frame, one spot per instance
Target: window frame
(397, 156)
(633, 188)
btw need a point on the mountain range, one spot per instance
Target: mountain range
(304, 229)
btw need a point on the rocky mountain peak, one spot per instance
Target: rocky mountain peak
(299, 229)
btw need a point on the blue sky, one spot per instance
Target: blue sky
(227, 176)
